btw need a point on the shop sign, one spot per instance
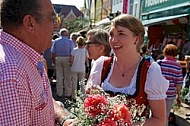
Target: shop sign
(166, 13)
(150, 5)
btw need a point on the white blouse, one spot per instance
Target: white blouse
(155, 86)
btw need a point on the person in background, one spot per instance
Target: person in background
(73, 37)
(187, 78)
(172, 71)
(79, 57)
(124, 74)
(25, 91)
(156, 48)
(145, 53)
(171, 42)
(187, 84)
(98, 43)
(61, 52)
(47, 56)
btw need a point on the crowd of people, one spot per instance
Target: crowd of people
(26, 41)
(71, 59)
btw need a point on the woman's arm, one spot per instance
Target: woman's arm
(71, 60)
(158, 109)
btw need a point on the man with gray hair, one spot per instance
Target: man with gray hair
(61, 52)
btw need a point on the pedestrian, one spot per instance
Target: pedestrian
(133, 76)
(172, 71)
(25, 91)
(97, 45)
(144, 52)
(61, 52)
(79, 57)
(47, 56)
(156, 49)
(73, 37)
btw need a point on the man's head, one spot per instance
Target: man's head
(31, 21)
(13, 11)
(74, 36)
(170, 50)
(157, 42)
(63, 32)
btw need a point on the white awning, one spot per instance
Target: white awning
(103, 21)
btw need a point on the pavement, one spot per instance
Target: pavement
(180, 114)
(53, 87)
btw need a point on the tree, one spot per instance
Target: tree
(76, 25)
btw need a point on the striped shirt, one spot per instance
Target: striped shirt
(172, 71)
(25, 93)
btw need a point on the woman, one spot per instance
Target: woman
(97, 45)
(122, 76)
(79, 57)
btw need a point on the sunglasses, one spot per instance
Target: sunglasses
(89, 42)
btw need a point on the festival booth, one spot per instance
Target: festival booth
(168, 20)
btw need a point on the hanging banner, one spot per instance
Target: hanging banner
(150, 5)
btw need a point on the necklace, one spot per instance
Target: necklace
(123, 73)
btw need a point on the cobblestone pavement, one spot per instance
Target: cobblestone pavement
(53, 87)
(180, 115)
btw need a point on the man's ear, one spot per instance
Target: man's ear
(29, 23)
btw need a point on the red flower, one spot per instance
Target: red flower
(120, 112)
(95, 104)
(107, 122)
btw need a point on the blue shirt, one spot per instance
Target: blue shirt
(74, 44)
(62, 46)
(47, 56)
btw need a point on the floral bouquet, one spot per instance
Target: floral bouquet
(97, 108)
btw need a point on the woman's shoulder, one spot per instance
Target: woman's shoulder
(101, 59)
(154, 68)
(98, 64)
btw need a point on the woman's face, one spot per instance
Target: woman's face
(94, 48)
(122, 40)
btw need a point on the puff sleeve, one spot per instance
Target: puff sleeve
(96, 71)
(156, 85)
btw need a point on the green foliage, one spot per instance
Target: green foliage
(76, 25)
(183, 93)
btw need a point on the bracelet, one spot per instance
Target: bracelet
(63, 120)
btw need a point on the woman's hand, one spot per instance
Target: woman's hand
(71, 122)
(60, 112)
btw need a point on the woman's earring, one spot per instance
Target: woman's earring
(135, 43)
